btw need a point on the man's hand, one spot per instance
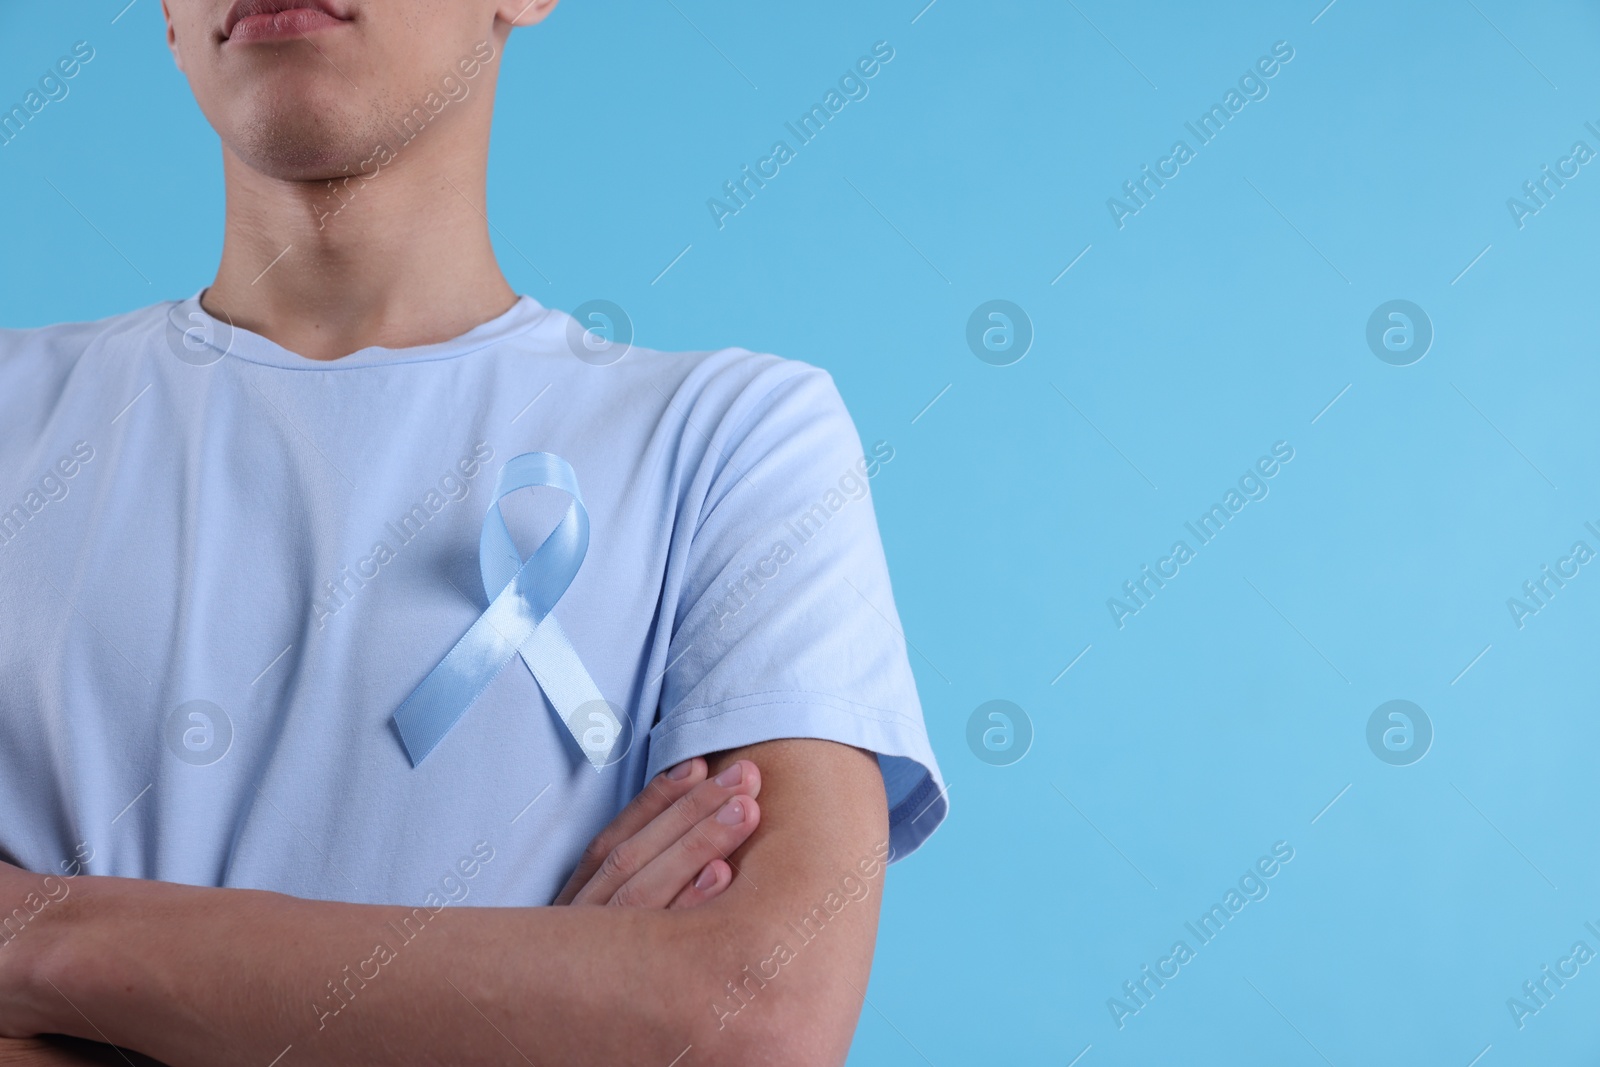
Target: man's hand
(669, 847)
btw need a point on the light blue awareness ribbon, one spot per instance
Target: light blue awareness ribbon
(519, 621)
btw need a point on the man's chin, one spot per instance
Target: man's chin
(301, 144)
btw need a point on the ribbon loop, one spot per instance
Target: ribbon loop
(522, 595)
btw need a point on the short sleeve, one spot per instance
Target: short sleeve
(786, 625)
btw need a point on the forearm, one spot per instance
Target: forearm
(768, 974)
(202, 976)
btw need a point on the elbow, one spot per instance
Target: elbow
(778, 1022)
(770, 1043)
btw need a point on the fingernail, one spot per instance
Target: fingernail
(732, 776)
(681, 771)
(707, 879)
(732, 813)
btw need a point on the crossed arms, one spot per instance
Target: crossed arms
(770, 970)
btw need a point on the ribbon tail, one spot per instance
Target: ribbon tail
(461, 677)
(571, 690)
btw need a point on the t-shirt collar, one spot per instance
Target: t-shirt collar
(190, 317)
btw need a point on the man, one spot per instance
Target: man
(281, 779)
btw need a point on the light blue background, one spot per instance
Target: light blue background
(1223, 717)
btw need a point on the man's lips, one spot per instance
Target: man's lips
(275, 20)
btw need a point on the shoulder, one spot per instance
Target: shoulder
(41, 367)
(730, 389)
(43, 358)
(68, 341)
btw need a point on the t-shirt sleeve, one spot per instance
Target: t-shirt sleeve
(786, 625)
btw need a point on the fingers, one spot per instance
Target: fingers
(713, 878)
(685, 817)
(656, 797)
(713, 838)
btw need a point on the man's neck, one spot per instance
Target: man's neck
(401, 259)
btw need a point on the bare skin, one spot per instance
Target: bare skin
(162, 968)
(403, 258)
(642, 963)
(652, 855)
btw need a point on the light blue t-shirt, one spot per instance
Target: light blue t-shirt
(223, 567)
